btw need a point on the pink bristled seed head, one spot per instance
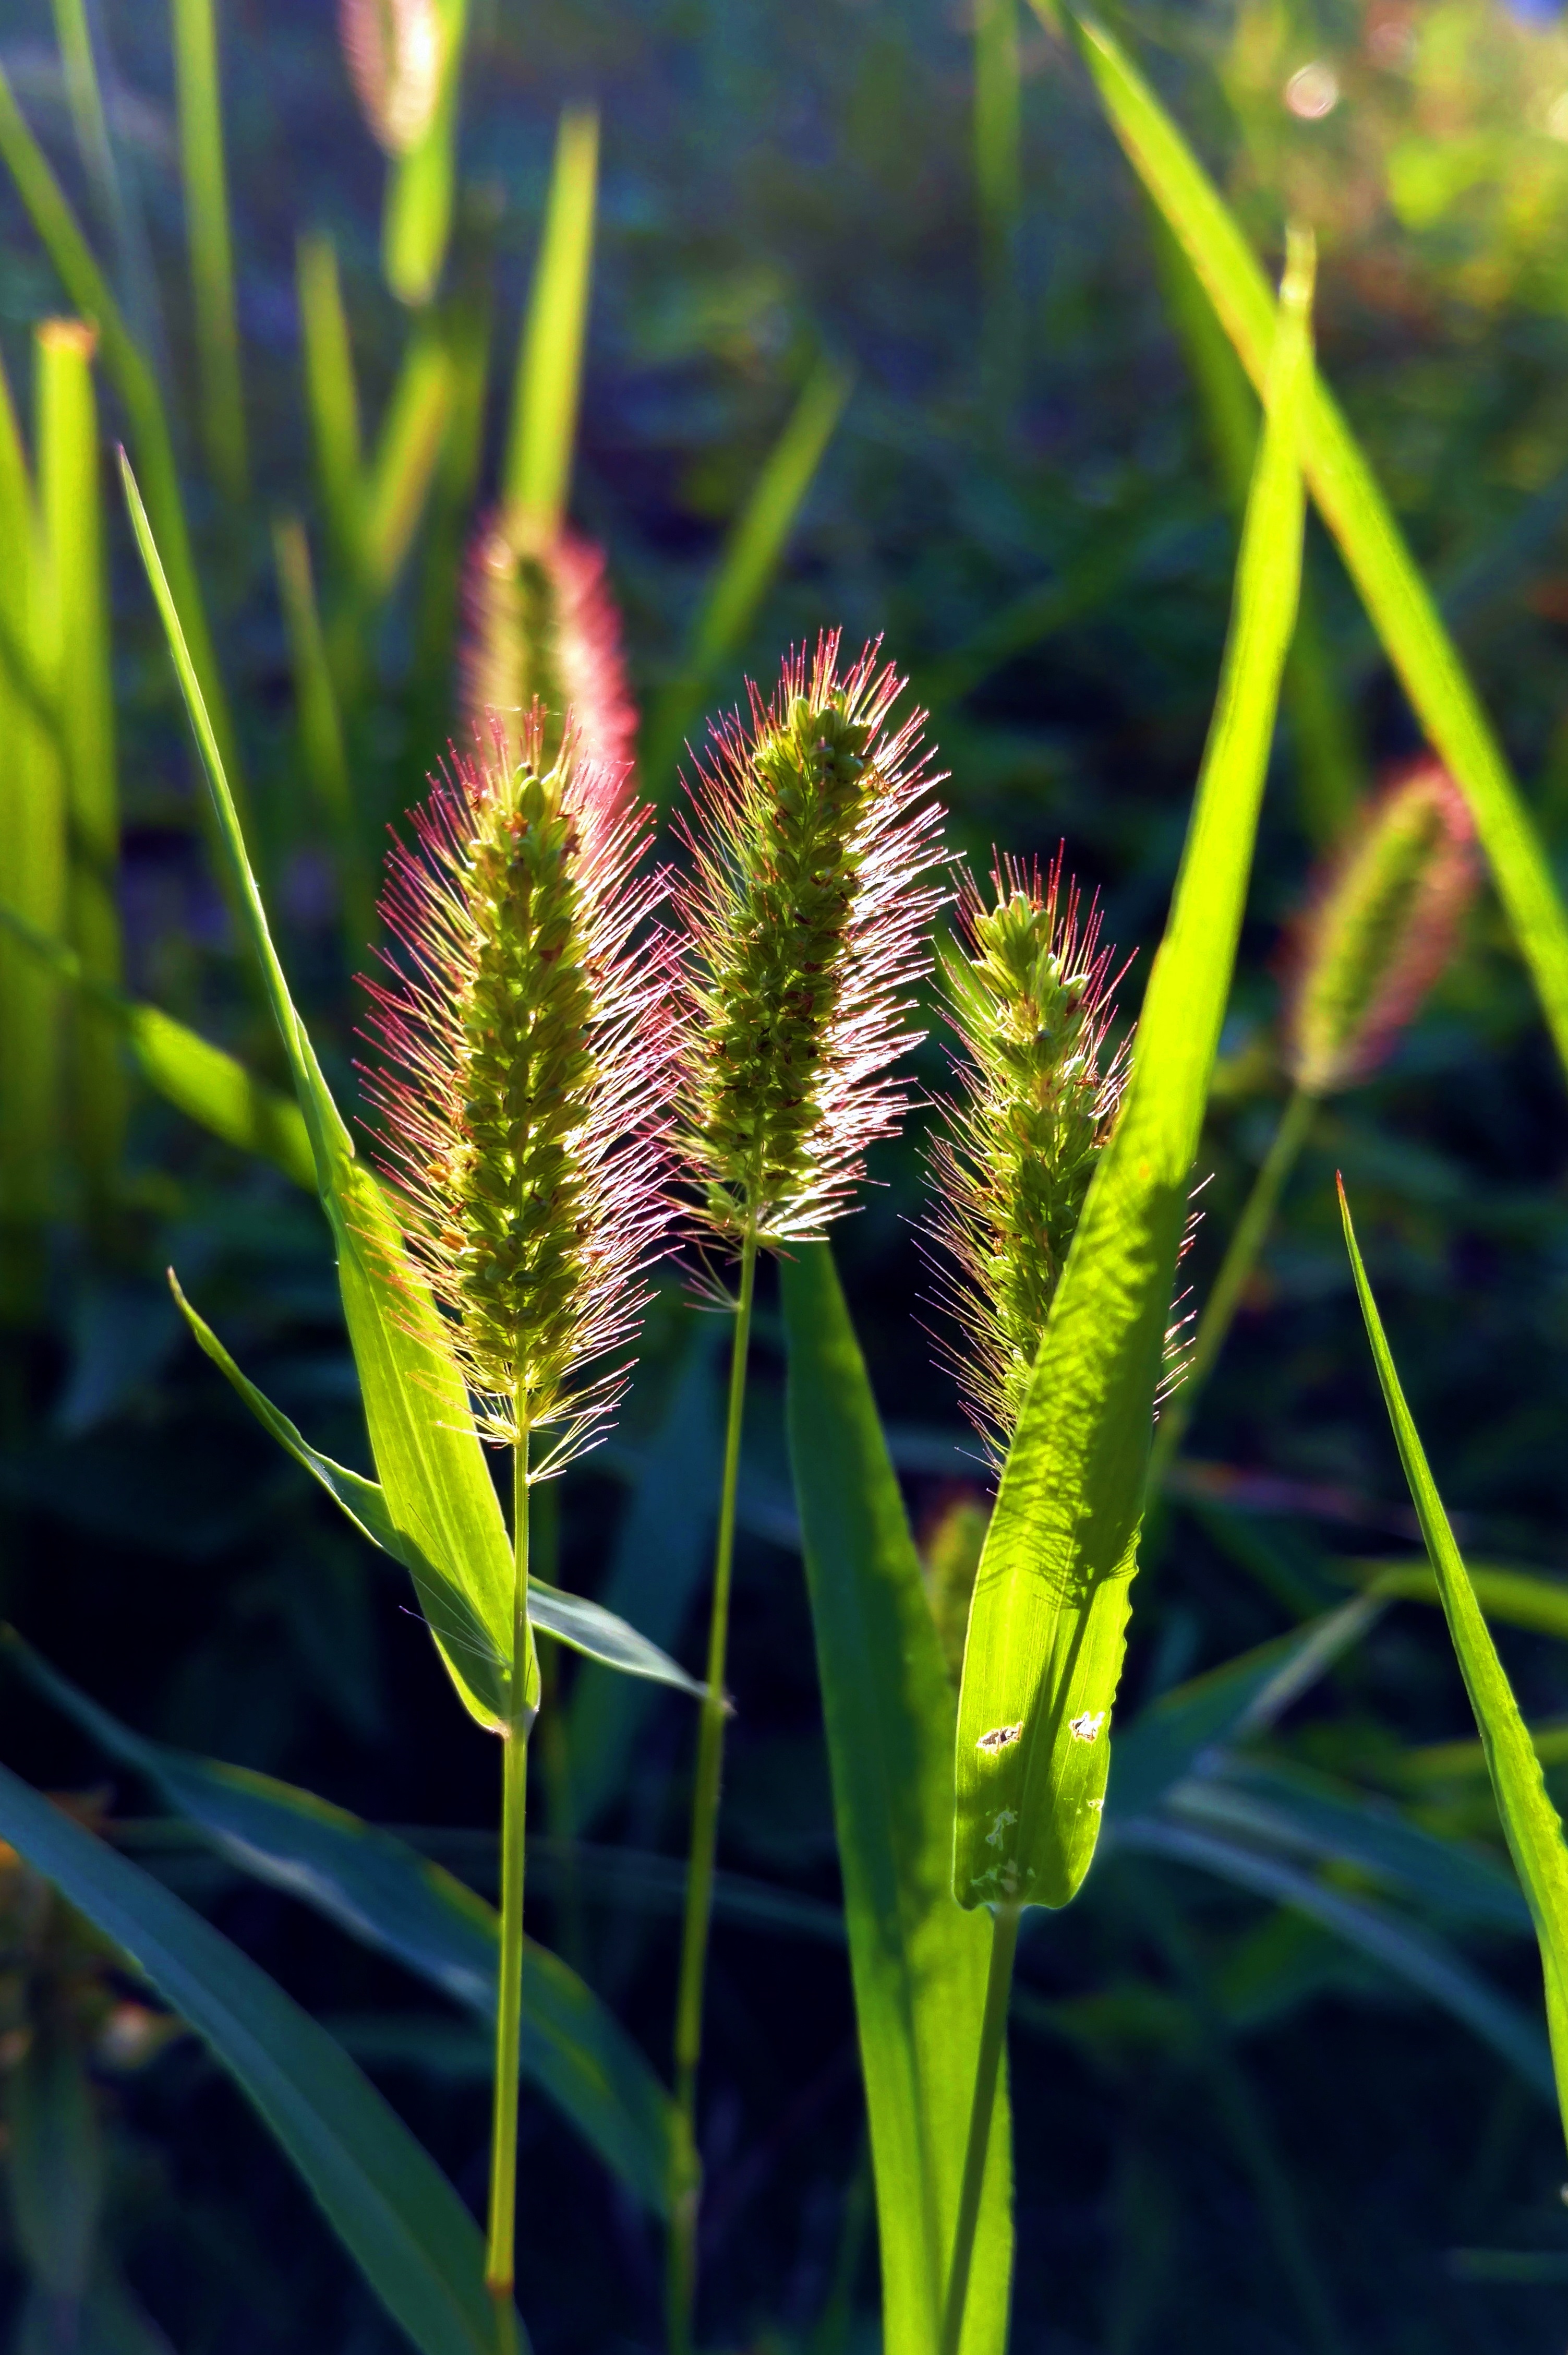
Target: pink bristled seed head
(395, 54)
(1039, 1085)
(811, 828)
(1381, 923)
(526, 1046)
(543, 628)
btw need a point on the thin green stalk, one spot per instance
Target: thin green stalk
(500, 2246)
(681, 2283)
(1236, 1266)
(1005, 1919)
(208, 239)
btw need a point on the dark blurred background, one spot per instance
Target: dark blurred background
(1232, 2133)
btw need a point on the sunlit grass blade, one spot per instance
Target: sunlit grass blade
(537, 479)
(383, 1893)
(1046, 1629)
(323, 748)
(205, 183)
(1519, 1598)
(395, 2214)
(76, 591)
(332, 396)
(132, 378)
(432, 1472)
(466, 321)
(416, 220)
(750, 559)
(919, 1963)
(33, 828)
(399, 478)
(1354, 508)
(1531, 1823)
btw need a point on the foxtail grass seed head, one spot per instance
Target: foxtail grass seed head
(395, 54)
(1380, 925)
(542, 627)
(812, 828)
(525, 1044)
(1028, 987)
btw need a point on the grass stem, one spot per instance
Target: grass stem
(1005, 1922)
(499, 2250)
(681, 2279)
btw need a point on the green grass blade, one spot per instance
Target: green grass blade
(77, 590)
(1351, 504)
(332, 396)
(751, 558)
(1520, 1598)
(1047, 1625)
(536, 480)
(323, 748)
(919, 1964)
(134, 381)
(1529, 1822)
(432, 1470)
(33, 828)
(394, 2212)
(999, 171)
(382, 1894)
(209, 242)
(407, 450)
(416, 222)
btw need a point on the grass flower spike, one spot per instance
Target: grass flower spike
(810, 831)
(525, 1053)
(1029, 986)
(396, 52)
(543, 628)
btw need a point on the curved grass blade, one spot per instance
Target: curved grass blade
(381, 1892)
(398, 477)
(1529, 1821)
(1352, 504)
(537, 476)
(919, 1964)
(395, 2214)
(433, 1476)
(1047, 1625)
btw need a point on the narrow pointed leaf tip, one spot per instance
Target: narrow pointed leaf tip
(811, 828)
(1381, 923)
(1047, 1626)
(542, 627)
(1028, 990)
(525, 1046)
(1531, 1823)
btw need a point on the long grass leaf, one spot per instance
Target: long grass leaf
(1529, 1821)
(397, 2216)
(323, 747)
(537, 479)
(408, 448)
(1043, 1654)
(383, 1893)
(416, 220)
(208, 241)
(332, 396)
(1519, 1598)
(426, 1449)
(1353, 507)
(134, 381)
(919, 1963)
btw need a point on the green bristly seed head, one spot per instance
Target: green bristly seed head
(1382, 924)
(1028, 995)
(807, 920)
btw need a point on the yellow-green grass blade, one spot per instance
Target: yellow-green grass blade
(209, 242)
(1047, 1625)
(750, 559)
(537, 482)
(1529, 1822)
(132, 378)
(383, 1893)
(76, 589)
(919, 1964)
(394, 2212)
(33, 829)
(408, 447)
(416, 220)
(426, 1449)
(1519, 1598)
(197, 1078)
(1352, 504)
(332, 396)
(317, 717)
(584, 1625)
